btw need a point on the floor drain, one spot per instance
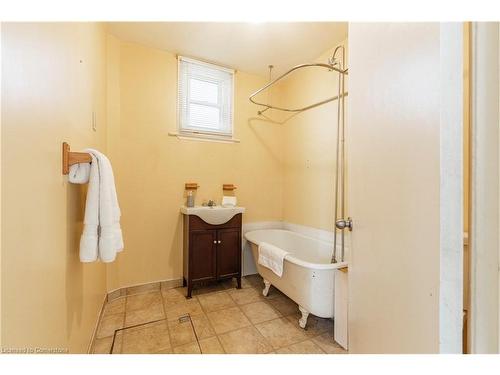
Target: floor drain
(184, 319)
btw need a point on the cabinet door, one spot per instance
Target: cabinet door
(202, 255)
(228, 252)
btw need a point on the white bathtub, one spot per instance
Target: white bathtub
(308, 275)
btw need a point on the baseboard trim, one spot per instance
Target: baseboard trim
(143, 288)
(96, 325)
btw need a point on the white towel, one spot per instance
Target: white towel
(79, 173)
(272, 257)
(228, 201)
(102, 235)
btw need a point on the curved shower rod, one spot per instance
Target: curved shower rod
(269, 106)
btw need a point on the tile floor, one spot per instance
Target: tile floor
(218, 319)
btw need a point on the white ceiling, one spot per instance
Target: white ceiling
(249, 47)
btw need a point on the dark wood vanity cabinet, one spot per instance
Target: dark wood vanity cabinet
(211, 252)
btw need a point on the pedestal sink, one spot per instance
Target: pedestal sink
(214, 215)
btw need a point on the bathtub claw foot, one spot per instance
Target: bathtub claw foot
(267, 285)
(303, 319)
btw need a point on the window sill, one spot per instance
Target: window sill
(203, 137)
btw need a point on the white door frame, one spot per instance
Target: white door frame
(484, 226)
(451, 188)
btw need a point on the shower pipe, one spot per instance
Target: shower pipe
(340, 182)
(338, 65)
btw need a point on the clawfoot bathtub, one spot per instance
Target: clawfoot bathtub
(308, 275)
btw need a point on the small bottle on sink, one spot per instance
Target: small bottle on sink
(190, 199)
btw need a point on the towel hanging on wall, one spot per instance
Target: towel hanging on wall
(102, 236)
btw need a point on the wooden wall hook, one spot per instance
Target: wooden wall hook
(69, 158)
(191, 186)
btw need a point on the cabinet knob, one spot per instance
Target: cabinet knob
(215, 241)
(220, 241)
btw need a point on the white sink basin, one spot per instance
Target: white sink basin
(213, 215)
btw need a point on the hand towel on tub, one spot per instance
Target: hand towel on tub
(272, 257)
(102, 235)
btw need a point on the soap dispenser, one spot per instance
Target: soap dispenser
(190, 199)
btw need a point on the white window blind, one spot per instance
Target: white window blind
(205, 98)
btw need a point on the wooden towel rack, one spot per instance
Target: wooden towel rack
(69, 158)
(228, 187)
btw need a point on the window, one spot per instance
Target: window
(205, 100)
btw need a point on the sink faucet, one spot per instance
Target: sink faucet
(210, 203)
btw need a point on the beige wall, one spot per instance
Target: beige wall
(53, 76)
(151, 167)
(309, 147)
